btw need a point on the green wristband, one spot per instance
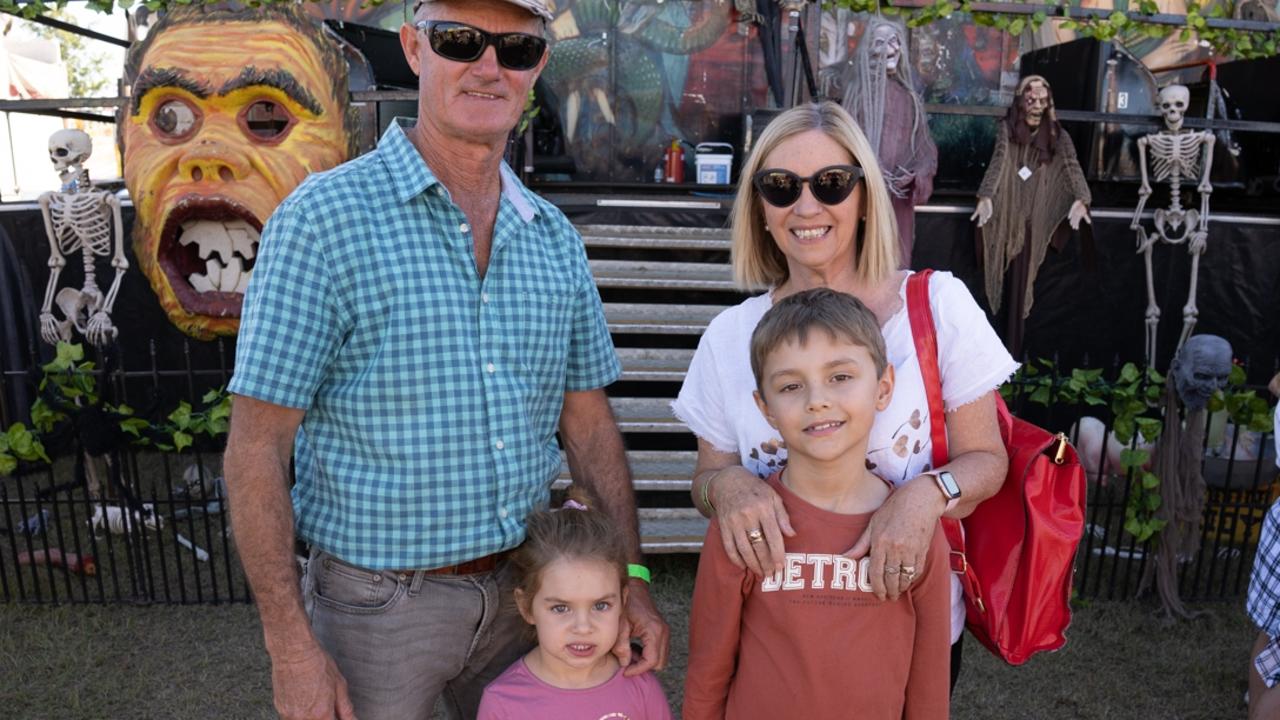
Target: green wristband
(639, 571)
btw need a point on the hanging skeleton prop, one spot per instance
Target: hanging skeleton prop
(1199, 369)
(1033, 185)
(1177, 156)
(79, 219)
(230, 109)
(881, 97)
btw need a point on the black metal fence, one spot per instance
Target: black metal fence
(154, 524)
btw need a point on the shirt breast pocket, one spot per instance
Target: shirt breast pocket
(542, 323)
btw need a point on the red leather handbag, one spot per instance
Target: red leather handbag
(1016, 553)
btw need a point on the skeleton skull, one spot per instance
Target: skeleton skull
(69, 147)
(1173, 105)
(1035, 101)
(886, 47)
(1200, 368)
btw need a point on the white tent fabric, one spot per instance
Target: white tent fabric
(32, 69)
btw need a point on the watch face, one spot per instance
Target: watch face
(948, 483)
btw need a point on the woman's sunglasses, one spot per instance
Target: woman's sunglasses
(464, 43)
(830, 185)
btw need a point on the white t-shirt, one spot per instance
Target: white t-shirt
(715, 401)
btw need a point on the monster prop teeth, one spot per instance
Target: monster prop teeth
(226, 247)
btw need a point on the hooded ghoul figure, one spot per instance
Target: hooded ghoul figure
(881, 97)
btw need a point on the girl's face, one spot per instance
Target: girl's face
(576, 613)
(813, 236)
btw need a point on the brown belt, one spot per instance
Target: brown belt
(470, 567)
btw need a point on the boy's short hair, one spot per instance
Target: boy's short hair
(841, 315)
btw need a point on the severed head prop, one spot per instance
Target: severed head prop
(1200, 368)
(230, 110)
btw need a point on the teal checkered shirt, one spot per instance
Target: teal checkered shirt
(432, 396)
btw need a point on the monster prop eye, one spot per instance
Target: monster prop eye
(174, 119)
(266, 121)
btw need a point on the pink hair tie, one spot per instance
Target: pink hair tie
(572, 505)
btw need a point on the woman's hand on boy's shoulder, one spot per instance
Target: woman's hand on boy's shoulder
(898, 536)
(745, 505)
(641, 621)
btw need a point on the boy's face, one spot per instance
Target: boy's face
(823, 396)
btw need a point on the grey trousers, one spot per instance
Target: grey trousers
(407, 641)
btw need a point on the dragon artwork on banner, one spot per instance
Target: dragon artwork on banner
(626, 77)
(229, 110)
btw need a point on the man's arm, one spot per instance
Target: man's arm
(598, 460)
(305, 679)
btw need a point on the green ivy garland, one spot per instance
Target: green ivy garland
(1226, 42)
(70, 377)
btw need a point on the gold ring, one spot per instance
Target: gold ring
(891, 571)
(755, 535)
(908, 569)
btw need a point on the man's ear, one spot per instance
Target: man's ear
(410, 40)
(764, 408)
(885, 392)
(522, 604)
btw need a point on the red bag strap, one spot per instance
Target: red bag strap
(925, 335)
(920, 312)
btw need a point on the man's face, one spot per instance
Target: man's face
(1035, 101)
(228, 119)
(886, 48)
(478, 101)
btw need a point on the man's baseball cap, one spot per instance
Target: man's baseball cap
(536, 7)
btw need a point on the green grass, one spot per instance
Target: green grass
(94, 662)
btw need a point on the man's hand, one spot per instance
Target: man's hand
(308, 685)
(640, 619)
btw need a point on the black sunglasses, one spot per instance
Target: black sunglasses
(830, 185)
(464, 43)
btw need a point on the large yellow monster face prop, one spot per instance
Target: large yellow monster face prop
(227, 117)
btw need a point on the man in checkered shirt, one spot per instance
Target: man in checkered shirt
(1264, 605)
(418, 327)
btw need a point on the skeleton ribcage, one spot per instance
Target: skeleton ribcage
(1175, 155)
(81, 221)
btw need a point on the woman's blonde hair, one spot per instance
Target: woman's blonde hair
(757, 261)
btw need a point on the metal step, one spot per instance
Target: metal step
(651, 470)
(671, 530)
(662, 275)
(655, 364)
(645, 415)
(658, 319)
(655, 237)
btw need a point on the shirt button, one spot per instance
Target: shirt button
(502, 512)
(484, 298)
(499, 444)
(490, 367)
(464, 228)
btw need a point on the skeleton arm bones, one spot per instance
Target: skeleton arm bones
(49, 326)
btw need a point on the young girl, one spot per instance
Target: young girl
(572, 586)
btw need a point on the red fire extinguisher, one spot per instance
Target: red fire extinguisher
(673, 162)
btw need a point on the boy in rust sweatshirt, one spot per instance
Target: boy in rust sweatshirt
(812, 641)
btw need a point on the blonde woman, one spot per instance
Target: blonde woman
(812, 211)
